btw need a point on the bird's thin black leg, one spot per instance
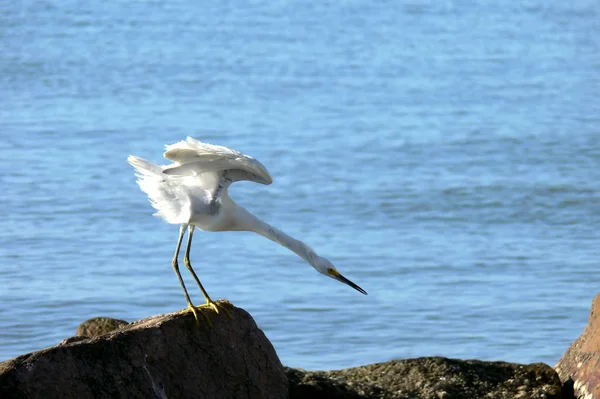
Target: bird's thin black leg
(176, 268)
(186, 259)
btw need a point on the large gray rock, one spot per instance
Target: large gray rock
(428, 378)
(158, 357)
(580, 365)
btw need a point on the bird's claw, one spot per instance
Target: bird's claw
(213, 305)
(217, 306)
(195, 311)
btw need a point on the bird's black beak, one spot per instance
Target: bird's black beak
(336, 275)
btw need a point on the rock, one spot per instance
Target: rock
(70, 340)
(158, 357)
(428, 378)
(99, 326)
(580, 365)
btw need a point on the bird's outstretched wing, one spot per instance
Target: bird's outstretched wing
(192, 157)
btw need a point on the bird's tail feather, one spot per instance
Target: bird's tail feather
(144, 168)
(163, 196)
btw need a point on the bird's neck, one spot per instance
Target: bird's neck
(247, 221)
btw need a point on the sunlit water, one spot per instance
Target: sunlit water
(444, 155)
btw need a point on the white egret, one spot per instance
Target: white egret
(193, 192)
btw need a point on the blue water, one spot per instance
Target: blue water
(444, 155)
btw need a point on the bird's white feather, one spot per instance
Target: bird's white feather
(167, 194)
(190, 190)
(193, 157)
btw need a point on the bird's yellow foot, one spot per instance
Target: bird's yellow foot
(195, 311)
(217, 306)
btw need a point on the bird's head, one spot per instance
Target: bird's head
(326, 267)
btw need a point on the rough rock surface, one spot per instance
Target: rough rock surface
(99, 326)
(428, 378)
(158, 357)
(580, 365)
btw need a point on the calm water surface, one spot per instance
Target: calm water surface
(444, 155)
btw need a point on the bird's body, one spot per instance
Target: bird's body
(193, 192)
(194, 189)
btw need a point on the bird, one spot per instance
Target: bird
(192, 192)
